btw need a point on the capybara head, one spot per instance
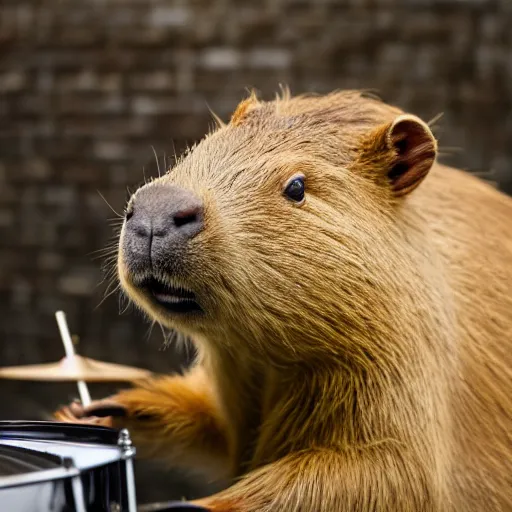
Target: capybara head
(280, 232)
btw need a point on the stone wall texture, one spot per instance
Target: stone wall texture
(95, 94)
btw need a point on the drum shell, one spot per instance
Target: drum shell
(89, 457)
(105, 487)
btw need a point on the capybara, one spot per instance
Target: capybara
(350, 299)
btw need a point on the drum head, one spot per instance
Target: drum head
(56, 431)
(20, 461)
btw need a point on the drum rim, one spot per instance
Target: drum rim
(37, 477)
(87, 434)
(110, 453)
(51, 424)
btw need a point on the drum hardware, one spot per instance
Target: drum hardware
(62, 467)
(128, 452)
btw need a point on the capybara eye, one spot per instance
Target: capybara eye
(295, 189)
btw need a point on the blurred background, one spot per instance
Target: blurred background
(95, 94)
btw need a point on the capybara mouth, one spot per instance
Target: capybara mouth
(174, 299)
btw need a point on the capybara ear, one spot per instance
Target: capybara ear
(404, 150)
(243, 109)
(416, 150)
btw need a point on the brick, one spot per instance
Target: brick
(109, 150)
(158, 105)
(6, 218)
(37, 169)
(163, 16)
(112, 104)
(59, 195)
(12, 81)
(145, 37)
(21, 293)
(220, 58)
(78, 37)
(84, 104)
(80, 173)
(49, 261)
(151, 81)
(269, 58)
(79, 281)
(84, 80)
(144, 105)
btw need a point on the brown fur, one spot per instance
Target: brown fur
(356, 353)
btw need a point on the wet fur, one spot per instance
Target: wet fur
(356, 351)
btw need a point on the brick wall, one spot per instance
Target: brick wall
(89, 88)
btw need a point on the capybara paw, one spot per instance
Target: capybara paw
(99, 412)
(66, 416)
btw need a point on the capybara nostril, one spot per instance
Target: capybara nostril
(188, 216)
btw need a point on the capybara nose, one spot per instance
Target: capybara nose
(160, 222)
(166, 211)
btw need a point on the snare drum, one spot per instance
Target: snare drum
(61, 467)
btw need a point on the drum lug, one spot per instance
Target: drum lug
(127, 453)
(125, 443)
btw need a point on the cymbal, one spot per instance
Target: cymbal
(73, 369)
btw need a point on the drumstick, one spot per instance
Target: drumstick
(83, 391)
